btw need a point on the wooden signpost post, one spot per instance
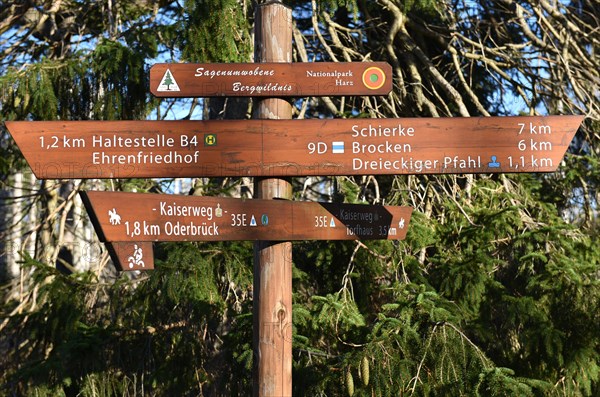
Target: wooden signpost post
(272, 271)
(144, 149)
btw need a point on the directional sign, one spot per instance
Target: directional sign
(270, 79)
(145, 149)
(129, 256)
(135, 217)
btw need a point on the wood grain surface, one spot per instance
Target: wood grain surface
(270, 79)
(143, 149)
(137, 217)
(131, 255)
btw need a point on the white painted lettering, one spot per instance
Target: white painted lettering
(379, 131)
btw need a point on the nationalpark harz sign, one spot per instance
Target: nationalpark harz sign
(270, 79)
(140, 149)
(135, 217)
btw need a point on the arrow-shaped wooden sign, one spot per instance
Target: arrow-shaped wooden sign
(145, 149)
(136, 217)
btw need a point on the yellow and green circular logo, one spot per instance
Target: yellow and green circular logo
(373, 78)
(210, 139)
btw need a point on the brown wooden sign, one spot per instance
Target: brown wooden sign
(130, 256)
(270, 79)
(145, 149)
(135, 217)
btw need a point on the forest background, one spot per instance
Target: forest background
(495, 291)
